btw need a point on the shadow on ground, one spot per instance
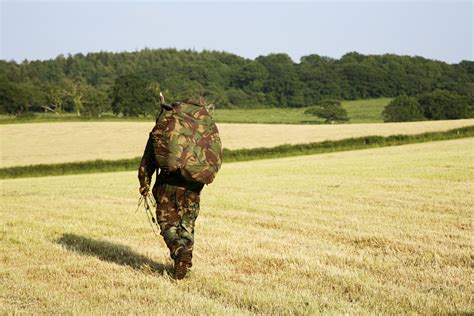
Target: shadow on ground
(112, 252)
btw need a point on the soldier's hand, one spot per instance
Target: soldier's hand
(144, 191)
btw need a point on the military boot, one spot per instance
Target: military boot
(182, 263)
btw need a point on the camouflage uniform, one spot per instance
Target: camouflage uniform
(176, 211)
(177, 203)
(185, 147)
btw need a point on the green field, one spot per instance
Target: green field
(377, 231)
(265, 116)
(359, 111)
(366, 111)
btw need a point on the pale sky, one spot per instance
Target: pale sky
(441, 30)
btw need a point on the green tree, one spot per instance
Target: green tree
(215, 95)
(237, 97)
(466, 89)
(330, 110)
(55, 96)
(445, 105)
(319, 76)
(250, 77)
(17, 98)
(272, 80)
(75, 92)
(95, 102)
(132, 95)
(403, 109)
(282, 81)
(361, 81)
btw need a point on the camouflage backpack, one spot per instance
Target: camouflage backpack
(186, 139)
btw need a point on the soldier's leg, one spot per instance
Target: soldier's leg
(177, 210)
(188, 209)
(169, 218)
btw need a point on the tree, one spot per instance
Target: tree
(55, 96)
(16, 98)
(282, 81)
(330, 110)
(445, 105)
(215, 95)
(272, 80)
(319, 77)
(75, 92)
(95, 101)
(467, 89)
(361, 81)
(250, 77)
(403, 109)
(153, 88)
(132, 95)
(237, 97)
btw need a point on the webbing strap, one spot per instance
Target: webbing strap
(148, 200)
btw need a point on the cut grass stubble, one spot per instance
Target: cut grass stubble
(32, 144)
(376, 231)
(242, 154)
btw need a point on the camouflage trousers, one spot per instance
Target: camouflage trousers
(176, 213)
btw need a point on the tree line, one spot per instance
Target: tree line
(436, 105)
(128, 83)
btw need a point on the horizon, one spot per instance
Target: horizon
(66, 55)
(437, 30)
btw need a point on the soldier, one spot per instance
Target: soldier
(177, 196)
(177, 208)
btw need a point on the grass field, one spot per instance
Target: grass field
(265, 116)
(46, 143)
(359, 111)
(366, 111)
(379, 231)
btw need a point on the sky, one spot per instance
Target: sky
(441, 30)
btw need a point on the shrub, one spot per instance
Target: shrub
(403, 109)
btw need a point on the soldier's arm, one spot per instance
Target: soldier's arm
(147, 167)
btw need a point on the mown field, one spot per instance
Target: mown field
(359, 111)
(46, 143)
(378, 231)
